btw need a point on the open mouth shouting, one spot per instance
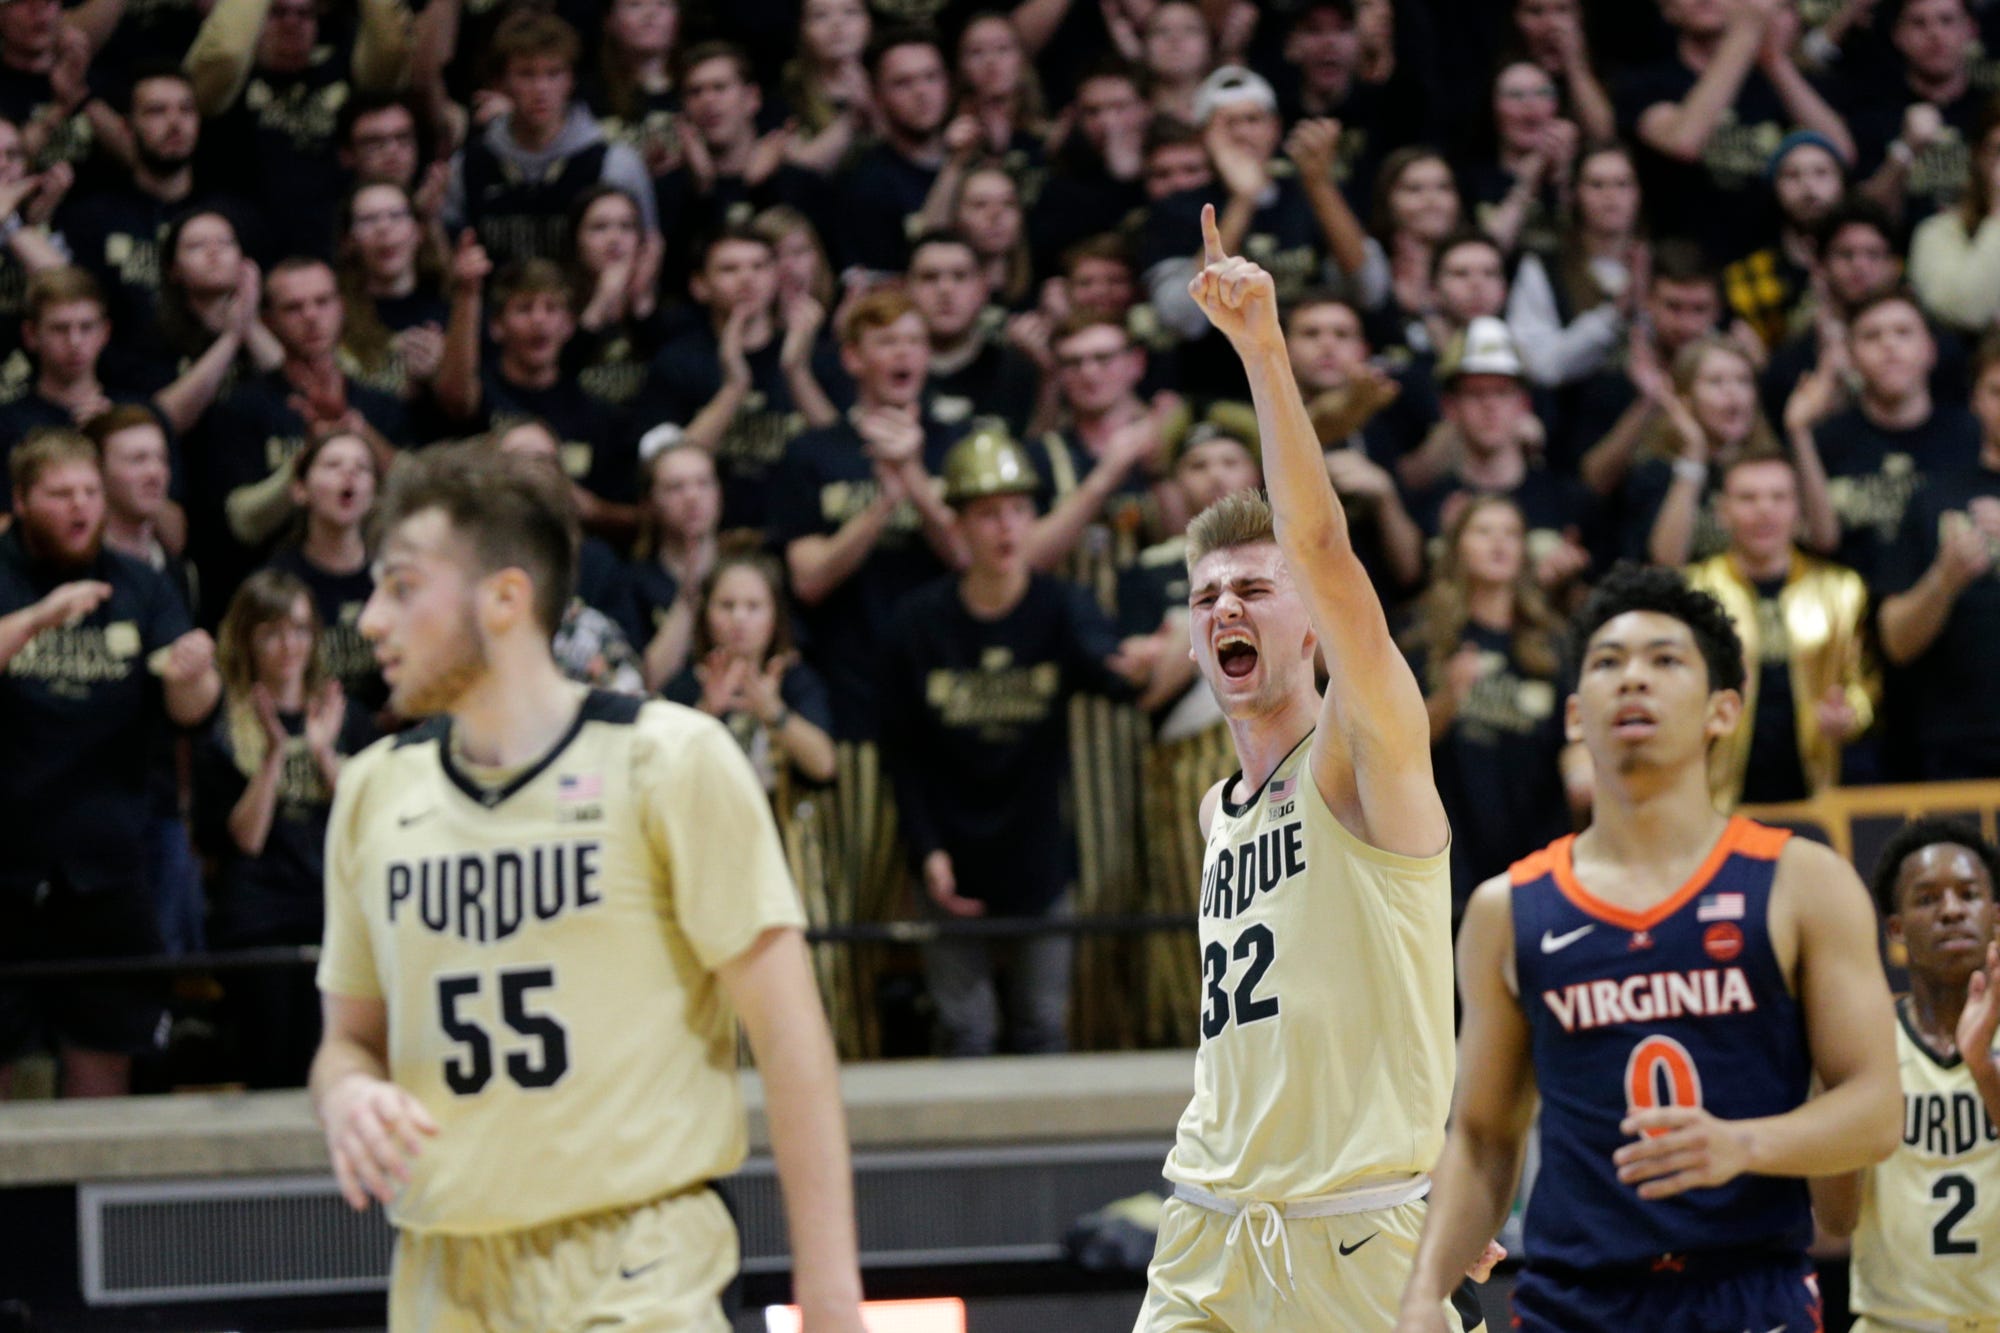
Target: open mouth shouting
(1235, 654)
(1634, 722)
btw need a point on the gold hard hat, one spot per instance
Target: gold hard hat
(988, 462)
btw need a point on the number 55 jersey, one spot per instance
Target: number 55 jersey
(1326, 1054)
(546, 942)
(1681, 1005)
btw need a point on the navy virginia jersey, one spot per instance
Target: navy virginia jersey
(1684, 1004)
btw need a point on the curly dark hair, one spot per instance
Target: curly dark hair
(1918, 834)
(1636, 587)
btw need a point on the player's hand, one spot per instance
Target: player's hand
(1680, 1148)
(1237, 296)
(374, 1131)
(1980, 1020)
(941, 882)
(1482, 1267)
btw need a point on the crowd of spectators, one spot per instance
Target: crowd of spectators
(862, 331)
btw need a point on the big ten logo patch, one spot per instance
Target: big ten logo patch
(997, 697)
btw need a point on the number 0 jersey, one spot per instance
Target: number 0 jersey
(547, 951)
(1684, 1004)
(1927, 1249)
(1326, 1052)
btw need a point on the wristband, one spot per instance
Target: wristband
(1687, 469)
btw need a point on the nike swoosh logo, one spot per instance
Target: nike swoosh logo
(404, 821)
(1554, 943)
(1346, 1249)
(629, 1273)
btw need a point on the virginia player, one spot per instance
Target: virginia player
(1671, 982)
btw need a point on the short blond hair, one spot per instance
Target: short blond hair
(1241, 518)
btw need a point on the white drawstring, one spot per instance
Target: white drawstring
(1273, 1230)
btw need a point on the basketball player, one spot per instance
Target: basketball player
(1926, 1222)
(1325, 1065)
(546, 908)
(1670, 981)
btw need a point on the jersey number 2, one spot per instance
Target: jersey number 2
(1660, 1072)
(1260, 947)
(542, 1065)
(1942, 1241)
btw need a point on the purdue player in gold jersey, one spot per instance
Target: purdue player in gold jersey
(1325, 1066)
(546, 909)
(1926, 1222)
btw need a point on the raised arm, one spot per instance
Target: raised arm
(1374, 713)
(1473, 1183)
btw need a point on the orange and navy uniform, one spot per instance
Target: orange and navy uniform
(1683, 1004)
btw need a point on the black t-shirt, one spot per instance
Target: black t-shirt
(1646, 488)
(116, 233)
(1937, 174)
(976, 733)
(597, 449)
(81, 715)
(825, 480)
(24, 96)
(274, 148)
(1555, 506)
(997, 382)
(1721, 199)
(879, 199)
(687, 213)
(1871, 472)
(1775, 772)
(604, 583)
(241, 441)
(688, 373)
(803, 692)
(1948, 692)
(1950, 377)
(278, 895)
(339, 599)
(1497, 767)
(654, 592)
(1079, 199)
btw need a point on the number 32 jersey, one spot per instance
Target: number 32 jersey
(1326, 1051)
(547, 949)
(1682, 1005)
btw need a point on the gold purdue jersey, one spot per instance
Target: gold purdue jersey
(1927, 1249)
(1326, 1031)
(547, 949)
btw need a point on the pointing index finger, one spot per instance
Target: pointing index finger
(1211, 237)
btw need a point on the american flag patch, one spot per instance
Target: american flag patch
(1720, 907)
(579, 787)
(1282, 791)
